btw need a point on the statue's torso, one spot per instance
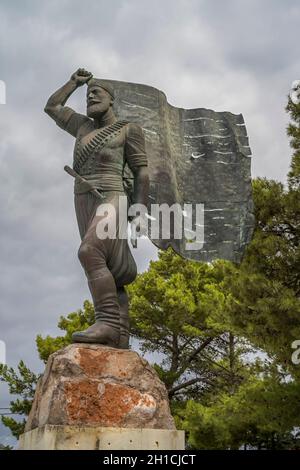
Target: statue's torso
(105, 157)
(108, 159)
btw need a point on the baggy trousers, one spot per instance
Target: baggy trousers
(108, 263)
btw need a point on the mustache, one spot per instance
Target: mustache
(89, 102)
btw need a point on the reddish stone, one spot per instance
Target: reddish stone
(99, 386)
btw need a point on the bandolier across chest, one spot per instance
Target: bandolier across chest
(84, 155)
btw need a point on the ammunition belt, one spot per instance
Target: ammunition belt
(97, 143)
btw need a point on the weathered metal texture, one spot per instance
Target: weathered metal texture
(196, 156)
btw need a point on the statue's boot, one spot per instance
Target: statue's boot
(104, 334)
(124, 319)
(106, 329)
(98, 333)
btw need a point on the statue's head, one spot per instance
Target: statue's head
(99, 98)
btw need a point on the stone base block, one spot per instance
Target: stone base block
(50, 437)
(94, 385)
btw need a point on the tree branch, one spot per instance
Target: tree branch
(185, 385)
(194, 354)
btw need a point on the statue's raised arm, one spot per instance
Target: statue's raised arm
(55, 107)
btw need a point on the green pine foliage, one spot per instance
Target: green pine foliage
(259, 414)
(75, 321)
(21, 383)
(179, 308)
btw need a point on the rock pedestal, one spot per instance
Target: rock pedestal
(91, 394)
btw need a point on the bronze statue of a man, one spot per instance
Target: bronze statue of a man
(103, 146)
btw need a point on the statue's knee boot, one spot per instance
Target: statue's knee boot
(124, 319)
(106, 329)
(107, 316)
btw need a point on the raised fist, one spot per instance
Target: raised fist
(81, 76)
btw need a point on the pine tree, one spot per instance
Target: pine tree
(179, 308)
(22, 383)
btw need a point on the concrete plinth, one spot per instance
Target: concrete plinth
(50, 437)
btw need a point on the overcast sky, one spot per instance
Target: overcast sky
(234, 55)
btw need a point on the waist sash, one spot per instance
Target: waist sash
(101, 182)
